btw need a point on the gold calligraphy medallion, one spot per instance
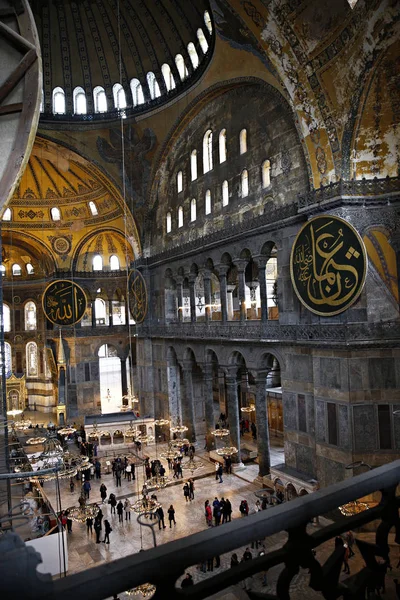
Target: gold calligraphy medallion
(137, 296)
(64, 302)
(328, 265)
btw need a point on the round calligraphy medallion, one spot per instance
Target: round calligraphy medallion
(137, 296)
(328, 265)
(61, 245)
(64, 302)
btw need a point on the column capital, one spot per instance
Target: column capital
(206, 273)
(240, 264)
(179, 279)
(223, 269)
(261, 261)
(187, 366)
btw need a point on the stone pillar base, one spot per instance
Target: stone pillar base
(238, 467)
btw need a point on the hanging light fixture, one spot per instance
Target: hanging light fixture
(171, 453)
(63, 463)
(227, 451)
(161, 422)
(96, 432)
(23, 424)
(178, 428)
(146, 438)
(248, 409)
(146, 590)
(66, 430)
(35, 440)
(220, 433)
(157, 481)
(14, 413)
(145, 504)
(353, 508)
(130, 397)
(83, 511)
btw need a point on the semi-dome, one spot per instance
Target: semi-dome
(104, 57)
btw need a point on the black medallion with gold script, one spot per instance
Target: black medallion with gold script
(328, 265)
(64, 302)
(137, 296)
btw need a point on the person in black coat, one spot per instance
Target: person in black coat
(160, 513)
(188, 581)
(171, 515)
(107, 531)
(97, 529)
(120, 511)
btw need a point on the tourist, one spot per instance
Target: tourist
(71, 485)
(257, 507)
(86, 488)
(254, 431)
(186, 491)
(127, 509)
(219, 473)
(247, 555)
(346, 559)
(103, 493)
(118, 472)
(97, 529)
(210, 564)
(216, 471)
(160, 513)
(217, 512)
(128, 472)
(97, 468)
(171, 515)
(89, 524)
(191, 489)
(120, 511)
(133, 471)
(227, 511)
(244, 508)
(234, 560)
(69, 522)
(188, 581)
(209, 515)
(113, 502)
(350, 541)
(107, 531)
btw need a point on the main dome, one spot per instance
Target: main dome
(109, 56)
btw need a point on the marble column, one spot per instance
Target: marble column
(187, 400)
(94, 313)
(192, 280)
(179, 294)
(209, 405)
(233, 412)
(241, 266)
(207, 295)
(263, 290)
(110, 313)
(263, 444)
(223, 270)
(230, 289)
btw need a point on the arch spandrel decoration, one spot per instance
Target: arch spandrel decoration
(64, 302)
(328, 265)
(138, 300)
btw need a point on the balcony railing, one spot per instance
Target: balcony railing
(163, 565)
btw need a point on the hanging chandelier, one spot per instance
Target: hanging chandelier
(178, 428)
(178, 443)
(146, 438)
(248, 409)
(130, 397)
(353, 508)
(35, 440)
(96, 432)
(171, 453)
(66, 430)
(23, 424)
(146, 590)
(220, 433)
(83, 511)
(227, 451)
(157, 481)
(145, 504)
(54, 457)
(161, 422)
(132, 432)
(192, 465)
(14, 413)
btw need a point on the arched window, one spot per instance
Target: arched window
(194, 57)
(137, 92)
(97, 263)
(244, 181)
(207, 151)
(193, 164)
(119, 96)
(153, 85)
(208, 202)
(79, 97)
(32, 360)
(3, 270)
(180, 216)
(29, 269)
(181, 66)
(16, 270)
(202, 40)
(225, 193)
(30, 316)
(6, 318)
(8, 359)
(266, 173)
(193, 209)
(58, 101)
(114, 263)
(101, 311)
(179, 181)
(100, 99)
(93, 209)
(222, 146)
(243, 141)
(7, 214)
(207, 21)
(168, 77)
(169, 222)
(55, 213)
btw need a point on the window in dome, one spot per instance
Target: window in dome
(32, 359)
(93, 208)
(180, 216)
(119, 96)
(207, 151)
(208, 202)
(3, 270)
(114, 263)
(243, 141)
(79, 97)
(100, 99)
(153, 85)
(7, 214)
(181, 66)
(58, 101)
(16, 270)
(29, 269)
(225, 193)
(97, 263)
(6, 318)
(244, 179)
(169, 222)
(202, 40)
(55, 213)
(193, 164)
(193, 209)
(194, 57)
(207, 21)
(222, 146)
(179, 181)
(30, 316)
(137, 92)
(168, 77)
(266, 173)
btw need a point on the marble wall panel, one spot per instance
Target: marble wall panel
(365, 430)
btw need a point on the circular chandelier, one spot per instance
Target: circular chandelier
(14, 413)
(248, 409)
(157, 481)
(132, 432)
(145, 504)
(227, 451)
(178, 429)
(131, 397)
(220, 433)
(63, 463)
(35, 440)
(161, 422)
(145, 589)
(83, 511)
(171, 453)
(66, 430)
(23, 424)
(96, 432)
(353, 508)
(192, 465)
(146, 438)
(178, 443)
